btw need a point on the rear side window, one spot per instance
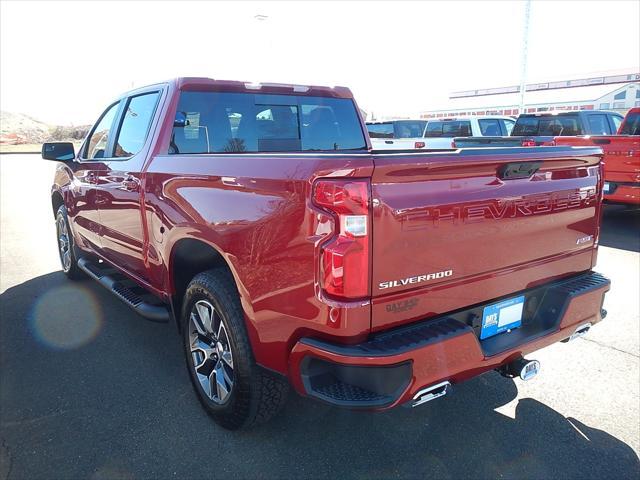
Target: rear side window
(454, 128)
(631, 125)
(135, 124)
(489, 127)
(380, 130)
(248, 122)
(99, 137)
(599, 125)
(552, 126)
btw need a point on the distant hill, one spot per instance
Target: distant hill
(17, 128)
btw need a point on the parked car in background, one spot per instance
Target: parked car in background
(287, 252)
(537, 129)
(397, 134)
(621, 159)
(542, 127)
(441, 132)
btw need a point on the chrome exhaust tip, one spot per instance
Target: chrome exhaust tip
(523, 368)
(431, 393)
(581, 331)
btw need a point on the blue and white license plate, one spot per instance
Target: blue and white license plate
(607, 187)
(502, 316)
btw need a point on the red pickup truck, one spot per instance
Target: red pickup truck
(288, 252)
(621, 159)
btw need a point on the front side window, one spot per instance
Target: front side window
(489, 127)
(99, 137)
(254, 122)
(598, 125)
(380, 130)
(135, 124)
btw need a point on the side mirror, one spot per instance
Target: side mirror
(59, 151)
(180, 120)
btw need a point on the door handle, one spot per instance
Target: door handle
(131, 184)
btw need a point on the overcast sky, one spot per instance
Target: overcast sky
(62, 62)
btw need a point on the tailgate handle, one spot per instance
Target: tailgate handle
(511, 171)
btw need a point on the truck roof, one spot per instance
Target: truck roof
(469, 117)
(234, 86)
(563, 113)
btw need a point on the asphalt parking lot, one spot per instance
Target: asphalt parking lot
(90, 390)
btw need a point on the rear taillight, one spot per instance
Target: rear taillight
(344, 259)
(419, 144)
(527, 142)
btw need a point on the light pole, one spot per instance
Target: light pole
(525, 49)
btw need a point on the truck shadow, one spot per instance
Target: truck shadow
(89, 389)
(621, 228)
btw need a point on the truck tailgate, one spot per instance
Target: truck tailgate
(452, 230)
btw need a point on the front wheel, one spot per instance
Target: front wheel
(233, 389)
(66, 247)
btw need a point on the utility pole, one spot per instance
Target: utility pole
(525, 49)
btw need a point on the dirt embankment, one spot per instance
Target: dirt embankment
(17, 129)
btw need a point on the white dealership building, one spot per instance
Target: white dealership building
(618, 92)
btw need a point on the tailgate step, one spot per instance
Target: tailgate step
(141, 301)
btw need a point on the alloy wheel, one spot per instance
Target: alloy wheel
(64, 245)
(211, 351)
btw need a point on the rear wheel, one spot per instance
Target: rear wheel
(233, 389)
(66, 247)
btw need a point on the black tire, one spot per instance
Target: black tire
(69, 265)
(255, 394)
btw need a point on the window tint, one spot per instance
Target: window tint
(508, 126)
(409, 128)
(248, 122)
(135, 124)
(460, 128)
(631, 125)
(489, 127)
(598, 125)
(380, 130)
(548, 126)
(99, 137)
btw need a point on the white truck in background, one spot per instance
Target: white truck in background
(435, 134)
(440, 132)
(397, 134)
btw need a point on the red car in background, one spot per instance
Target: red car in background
(621, 159)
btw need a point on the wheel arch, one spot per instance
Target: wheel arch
(189, 257)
